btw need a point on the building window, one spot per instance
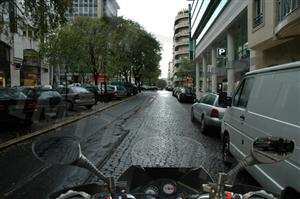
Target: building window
(258, 13)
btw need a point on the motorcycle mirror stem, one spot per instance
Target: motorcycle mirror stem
(67, 151)
(264, 150)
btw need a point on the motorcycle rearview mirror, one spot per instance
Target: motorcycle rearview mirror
(64, 151)
(265, 150)
(269, 150)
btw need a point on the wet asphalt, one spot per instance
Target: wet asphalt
(152, 129)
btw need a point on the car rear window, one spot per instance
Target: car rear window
(12, 94)
(79, 90)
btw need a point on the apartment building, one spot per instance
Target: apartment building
(219, 34)
(94, 8)
(180, 41)
(273, 32)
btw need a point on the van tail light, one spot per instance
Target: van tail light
(214, 113)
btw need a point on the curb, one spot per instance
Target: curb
(59, 124)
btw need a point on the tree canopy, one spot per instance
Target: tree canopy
(43, 15)
(117, 47)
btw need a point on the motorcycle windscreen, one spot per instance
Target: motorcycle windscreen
(137, 176)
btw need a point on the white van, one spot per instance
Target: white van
(266, 103)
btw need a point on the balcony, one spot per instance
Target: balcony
(288, 18)
(286, 7)
(182, 25)
(181, 15)
(184, 33)
(181, 52)
(184, 42)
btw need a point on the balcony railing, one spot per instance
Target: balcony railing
(182, 25)
(182, 43)
(286, 7)
(184, 33)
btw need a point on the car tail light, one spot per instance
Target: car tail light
(31, 105)
(214, 113)
(2, 107)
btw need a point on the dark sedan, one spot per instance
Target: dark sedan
(186, 95)
(16, 106)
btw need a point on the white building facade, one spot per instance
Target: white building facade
(19, 60)
(95, 8)
(220, 40)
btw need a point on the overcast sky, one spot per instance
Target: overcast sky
(157, 17)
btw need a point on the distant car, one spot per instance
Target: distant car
(117, 91)
(15, 106)
(208, 112)
(186, 95)
(76, 96)
(94, 89)
(131, 89)
(169, 88)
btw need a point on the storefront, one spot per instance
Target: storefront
(31, 70)
(4, 65)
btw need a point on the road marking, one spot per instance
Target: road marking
(58, 125)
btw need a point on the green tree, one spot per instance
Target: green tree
(186, 68)
(161, 83)
(44, 15)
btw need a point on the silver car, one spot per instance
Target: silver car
(77, 96)
(208, 112)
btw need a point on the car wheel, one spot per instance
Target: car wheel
(70, 106)
(89, 106)
(192, 116)
(203, 127)
(42, 115)
(28, 119)
(61, 113)
(226, 156)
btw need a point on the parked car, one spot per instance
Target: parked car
(174, 92)
(266, 103)
(169, 88)
(49, 102)
(186, 95)
(76, 96)
(94, 89)
(15, 106)
(131, 89)
(117, 91)
(208, 112)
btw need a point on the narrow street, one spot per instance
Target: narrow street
(151, 129)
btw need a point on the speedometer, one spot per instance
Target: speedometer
(169, 189)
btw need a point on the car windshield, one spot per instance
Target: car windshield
(176, 84)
